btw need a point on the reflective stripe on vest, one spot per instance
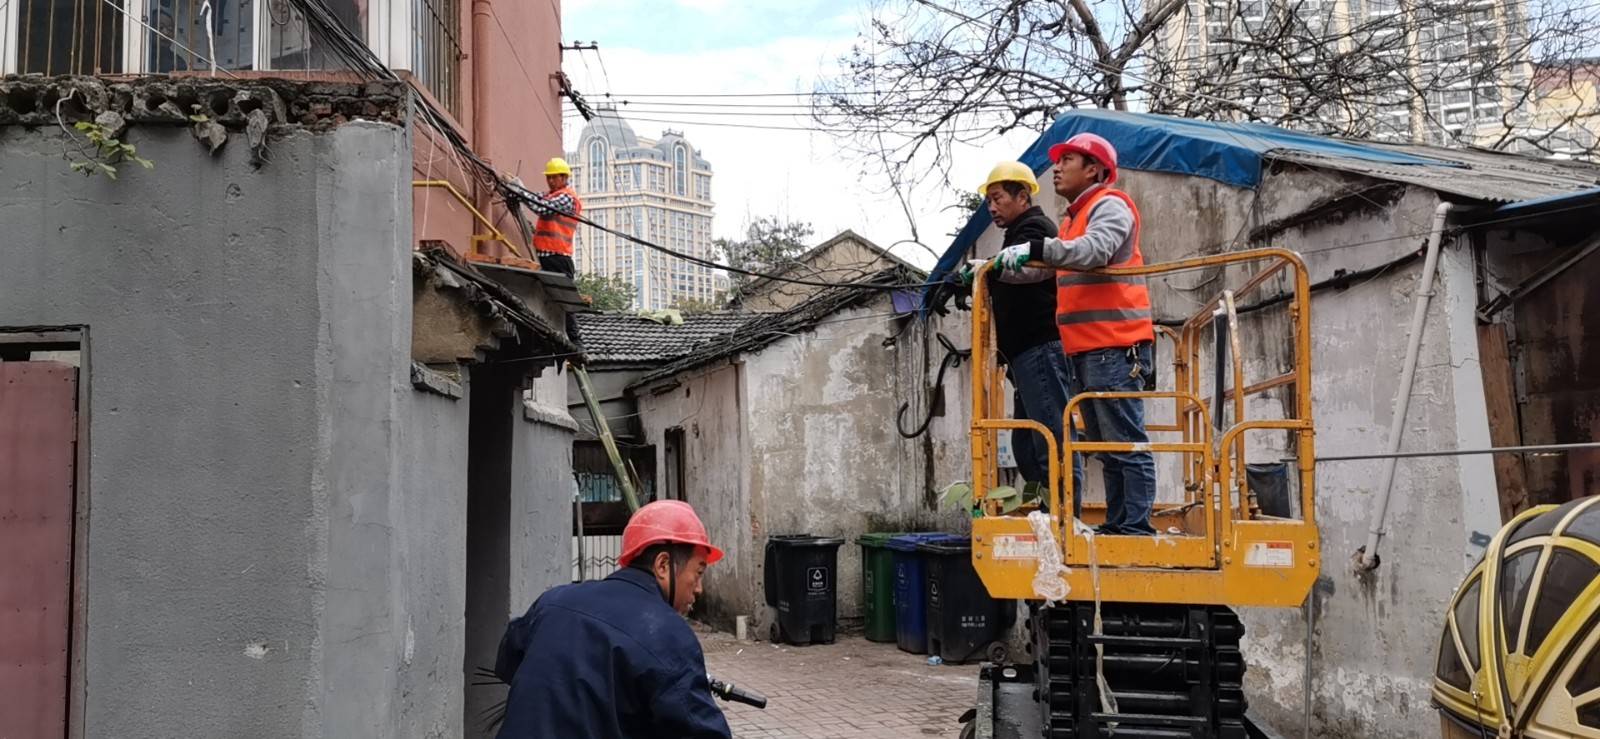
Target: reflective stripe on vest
(553, 234)
(1095, 311)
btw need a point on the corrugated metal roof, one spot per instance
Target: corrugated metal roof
(625, 338)
(1490, 176)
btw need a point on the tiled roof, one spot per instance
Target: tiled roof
(770, 327)
(624, 338)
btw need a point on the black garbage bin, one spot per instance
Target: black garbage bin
(801, 583)
(964, 623)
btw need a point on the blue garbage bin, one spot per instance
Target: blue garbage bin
(910, 592)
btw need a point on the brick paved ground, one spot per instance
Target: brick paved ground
(852, 689)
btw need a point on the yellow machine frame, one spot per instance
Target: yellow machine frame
(1242, 558)
(1535, 683)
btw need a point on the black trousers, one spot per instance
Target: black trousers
(558, 263)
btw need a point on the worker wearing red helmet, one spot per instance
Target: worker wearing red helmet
(614, 658)
(1104, 320)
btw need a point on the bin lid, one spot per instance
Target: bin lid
(946, 544)
(878, 538)
(803, 540)
(909, 542)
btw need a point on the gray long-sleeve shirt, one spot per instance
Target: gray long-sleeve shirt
(1108, 239)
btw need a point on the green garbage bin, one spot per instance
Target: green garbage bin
(877, 585)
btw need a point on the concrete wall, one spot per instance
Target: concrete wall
(432, 573)
(799, 437)
(711, 406)
(245, 368)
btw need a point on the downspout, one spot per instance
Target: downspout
(480, 127)
(1367, 556)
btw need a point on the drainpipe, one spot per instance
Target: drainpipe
(1367, 556)
(480, 68)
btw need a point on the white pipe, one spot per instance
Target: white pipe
(1368, 559)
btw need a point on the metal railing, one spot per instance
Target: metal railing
(1212, 451)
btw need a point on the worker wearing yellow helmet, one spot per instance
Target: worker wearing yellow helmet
(558, 219)
(1024, 314)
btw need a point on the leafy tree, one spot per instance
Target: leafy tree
(606, 292)
(769, 245)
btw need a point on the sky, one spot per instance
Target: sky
(649, 49)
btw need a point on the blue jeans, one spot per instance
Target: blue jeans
(1041, 376)
(1130, 478)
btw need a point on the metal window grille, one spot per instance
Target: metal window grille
(230, 33)
(436, 50)
(294, 44)
(68, 37)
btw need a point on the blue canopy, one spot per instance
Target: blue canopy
(1230, 153)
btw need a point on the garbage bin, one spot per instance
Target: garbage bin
(877, 586)
(800, 584)
(964, 623)
(910, 593)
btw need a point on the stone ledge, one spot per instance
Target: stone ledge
(33, 100)
(432, 381)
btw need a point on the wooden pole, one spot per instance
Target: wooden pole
(603, 430)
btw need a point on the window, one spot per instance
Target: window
(1567, 575)
(436, 49)
(680, 169)
(1450, 668)
(64, 37)
(187, 34)
(1517, 576)
(293, 44)
(1467, 621)
(597, 165)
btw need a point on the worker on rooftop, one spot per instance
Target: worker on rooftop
(1104, 320)
(1025, 326)
(614, 658)
(558, 222)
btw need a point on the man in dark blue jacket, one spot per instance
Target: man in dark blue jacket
(615, 659)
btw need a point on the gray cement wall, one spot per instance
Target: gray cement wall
(432, 566)
(247, 336)
(711, 406)
(814, 416)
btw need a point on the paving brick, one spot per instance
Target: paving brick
(852, 689)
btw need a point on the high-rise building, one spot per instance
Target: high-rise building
(659, 191)
(1468, 57)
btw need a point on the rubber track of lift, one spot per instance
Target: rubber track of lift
(1175, 671)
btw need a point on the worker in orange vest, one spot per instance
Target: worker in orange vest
(1104, 320)
(558, 222)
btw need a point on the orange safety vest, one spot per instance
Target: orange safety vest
(553, 234)
(1096, 311)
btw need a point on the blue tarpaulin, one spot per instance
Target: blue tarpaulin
(1230, 153)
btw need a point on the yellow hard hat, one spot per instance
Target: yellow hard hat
(1011, 172)
(560, 166)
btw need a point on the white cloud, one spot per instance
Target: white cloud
(794, 174)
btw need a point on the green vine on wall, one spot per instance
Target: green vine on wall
(108, 152)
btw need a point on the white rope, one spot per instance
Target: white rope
(1108, 702)
(211, 36)
(1050, 580)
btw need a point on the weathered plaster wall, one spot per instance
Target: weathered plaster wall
(541, 503)
(432, 567)
(247, 336)
(821, 424)
(711, 405)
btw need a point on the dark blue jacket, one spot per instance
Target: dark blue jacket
(606, 660)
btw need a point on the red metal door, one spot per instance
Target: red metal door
(38, 428)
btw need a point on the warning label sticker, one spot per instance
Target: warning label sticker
(1016, 547)
(1270, 554)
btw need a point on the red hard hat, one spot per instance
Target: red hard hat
(1091, 146)
(664, 522)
